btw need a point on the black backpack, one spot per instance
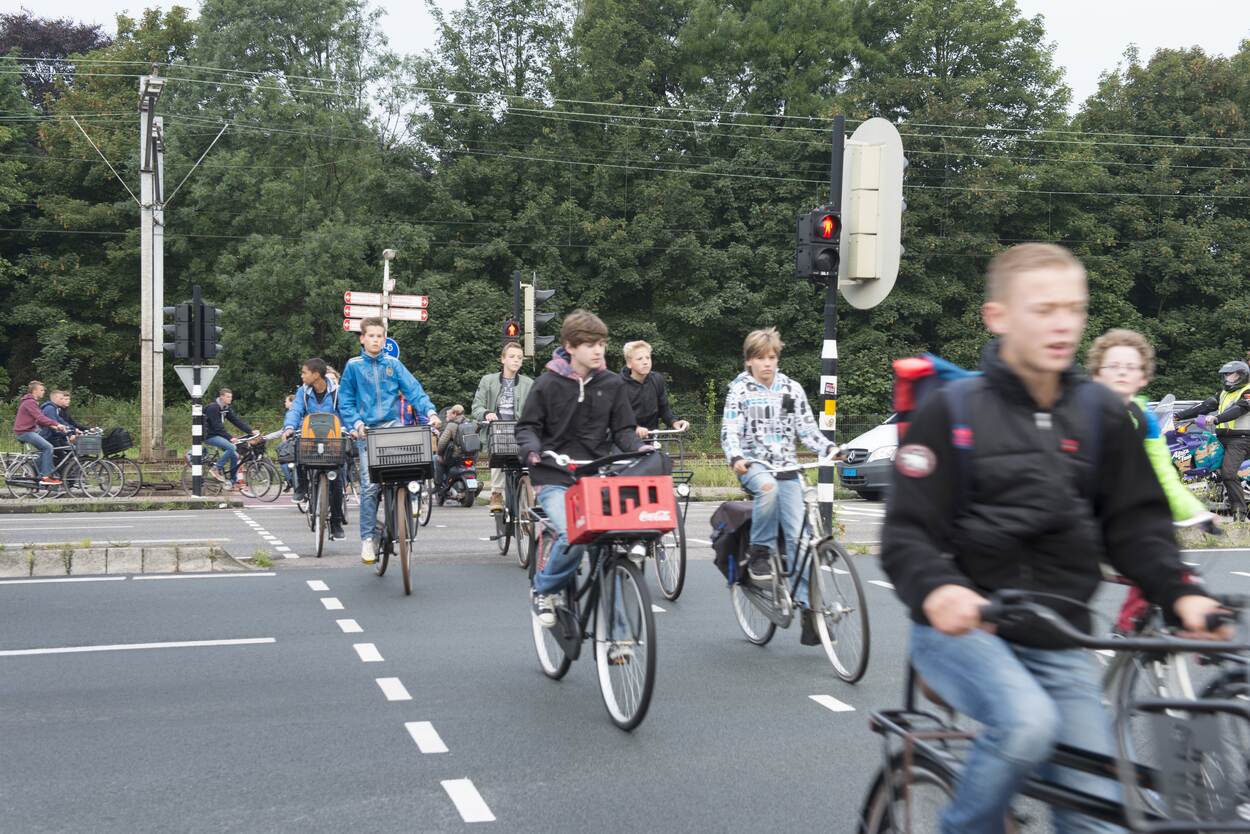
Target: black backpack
(468, 440)
(115, 441)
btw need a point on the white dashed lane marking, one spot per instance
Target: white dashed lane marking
(881, 583)
(656, 609)
(426, 737)
(317, 585)
(468, 801)
(367, 652)
(831, 703)
(349, 626)
(332, 603)
(394, 689)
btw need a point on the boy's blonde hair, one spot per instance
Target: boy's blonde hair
(761, 343)
(630, 347)
(1121, 338)
(1024, 258)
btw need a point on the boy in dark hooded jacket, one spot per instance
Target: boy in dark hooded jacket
(577, 408)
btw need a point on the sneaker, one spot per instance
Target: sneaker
(760, 568)
(809, 637)
(299, 497)
(216, 475)
(48, 480)
(620, 654)
(367, 556)
(496, 502)
(336, 531)
(545, 609)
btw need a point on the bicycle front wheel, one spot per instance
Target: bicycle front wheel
(426, 506)
(625, 643)
(670, 560)
(403, 529)
(132, 476)
(503, 524)
(523, 526)
(93, 478)
(841, 610)
(319, 502)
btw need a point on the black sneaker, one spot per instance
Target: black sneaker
(336, 530)
(809, 637)
(760, 566)
(299, 497)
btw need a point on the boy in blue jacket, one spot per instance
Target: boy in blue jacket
(316, 395)
(369, 398)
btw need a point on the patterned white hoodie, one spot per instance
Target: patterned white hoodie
(761, 423)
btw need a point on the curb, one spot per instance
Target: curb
(68, 560)
(115, 505)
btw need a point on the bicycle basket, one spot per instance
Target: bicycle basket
(501, 443)
(637, 507)
(402, 453)
(116, 441)
(1201, 762)
(321, 443)
(88, 445)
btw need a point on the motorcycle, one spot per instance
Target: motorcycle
(1197, 455)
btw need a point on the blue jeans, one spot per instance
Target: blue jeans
(229, 460)
(778, 505)
(369, 493)
(562, 560)
(44, 448)
(1028, 700)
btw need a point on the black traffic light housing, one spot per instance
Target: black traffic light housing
(817, 238)
(534, 319)
(178, 335)
(209, 331)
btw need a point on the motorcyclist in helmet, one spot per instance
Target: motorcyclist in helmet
(1232, 426)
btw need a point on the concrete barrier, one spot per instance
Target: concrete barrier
(67, 560)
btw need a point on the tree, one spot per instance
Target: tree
(47, 42)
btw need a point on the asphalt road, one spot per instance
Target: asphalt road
(272, 709)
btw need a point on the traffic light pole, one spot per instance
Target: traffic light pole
(829, 348)
(197, 396)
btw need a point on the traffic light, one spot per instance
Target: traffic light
(210, 331)
(817, 238)
(511, 330)
(178, 334)
(535, 319)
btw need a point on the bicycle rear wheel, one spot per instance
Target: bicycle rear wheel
(503, 522)
(21, 479)
(261, 480)
(906, 800)
(404, 528)
(841, 609)
(132, 476)
(319, 503)
(210, 486)
(92, 478)
(757, 627)
(670, 560)
(625, 643)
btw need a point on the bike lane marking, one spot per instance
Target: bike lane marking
(393, 689)
(831, 703)
(349, 626)
(332, 603)
(427, 738)
(468, 801)
(317, 585)
(367, 652)
(125, 647)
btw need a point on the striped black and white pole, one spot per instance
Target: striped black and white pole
(829, 348)
(197, 432)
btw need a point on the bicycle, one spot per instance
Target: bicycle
(400, 463)
(320, 462)
(512, 524)
(670, 551)
(1198, 775)
(77, 470)
(609, 605)
(835, 593)
(261, 479)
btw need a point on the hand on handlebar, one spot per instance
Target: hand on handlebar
(954, 609)
(1197, 614)
(642, 431)
(681, 425)
(741, 466)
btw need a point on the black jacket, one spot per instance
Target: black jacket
(649, 399)
(1034, 512)
(214, 421)
(577, 418)
(62, 416)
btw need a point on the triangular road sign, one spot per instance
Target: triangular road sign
(187, 373)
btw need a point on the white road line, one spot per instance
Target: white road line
(247, 575)
(1240, 573)
(441, 526)
(698, 541)
(123, 647)
(426, 737)
(393, 689)
(881, 583)
(349, 626)
(68, 527)
(332, 603)
(831, 703)
(281, 548)
(65, 579)
(656, 609)
(290, 555)
(468, 801)
(318, 585)
(484, 538)
(368, 652)
(1218, 550)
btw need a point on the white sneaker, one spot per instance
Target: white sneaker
(367, 555)
(545, 609)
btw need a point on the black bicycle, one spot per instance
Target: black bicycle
(512, 525)
(1200, 778)
(607, 603)
(400, 463)
(320, 463)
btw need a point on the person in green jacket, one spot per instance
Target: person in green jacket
(501, 396)
(1124, 361)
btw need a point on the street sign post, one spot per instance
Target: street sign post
(385, 305)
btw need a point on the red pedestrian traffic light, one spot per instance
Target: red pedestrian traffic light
(511, 330)
(827, 227)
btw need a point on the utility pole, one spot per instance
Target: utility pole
(829, 348)
(152, 268)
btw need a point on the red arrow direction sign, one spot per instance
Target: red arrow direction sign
(356, 311)
(375, 299)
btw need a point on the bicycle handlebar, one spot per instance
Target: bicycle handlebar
(838, 455)
(566, 462)
(1011, 608)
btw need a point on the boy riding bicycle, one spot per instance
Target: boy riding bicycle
(316, 395)
(501, 396)
(578, 408)
(765, 411)
(369, 398)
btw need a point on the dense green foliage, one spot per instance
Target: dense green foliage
(644, 157)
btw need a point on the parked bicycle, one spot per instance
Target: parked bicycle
(79, 468)
(618, 516)
(1200, 785)
(823, 580)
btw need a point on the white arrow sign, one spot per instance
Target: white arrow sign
(375, 299)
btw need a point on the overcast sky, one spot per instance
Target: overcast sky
(1091, 35)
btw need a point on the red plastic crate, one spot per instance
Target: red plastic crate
(596, 506)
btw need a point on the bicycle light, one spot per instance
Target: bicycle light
(332, 475)
(414, 487)
(682, 490)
